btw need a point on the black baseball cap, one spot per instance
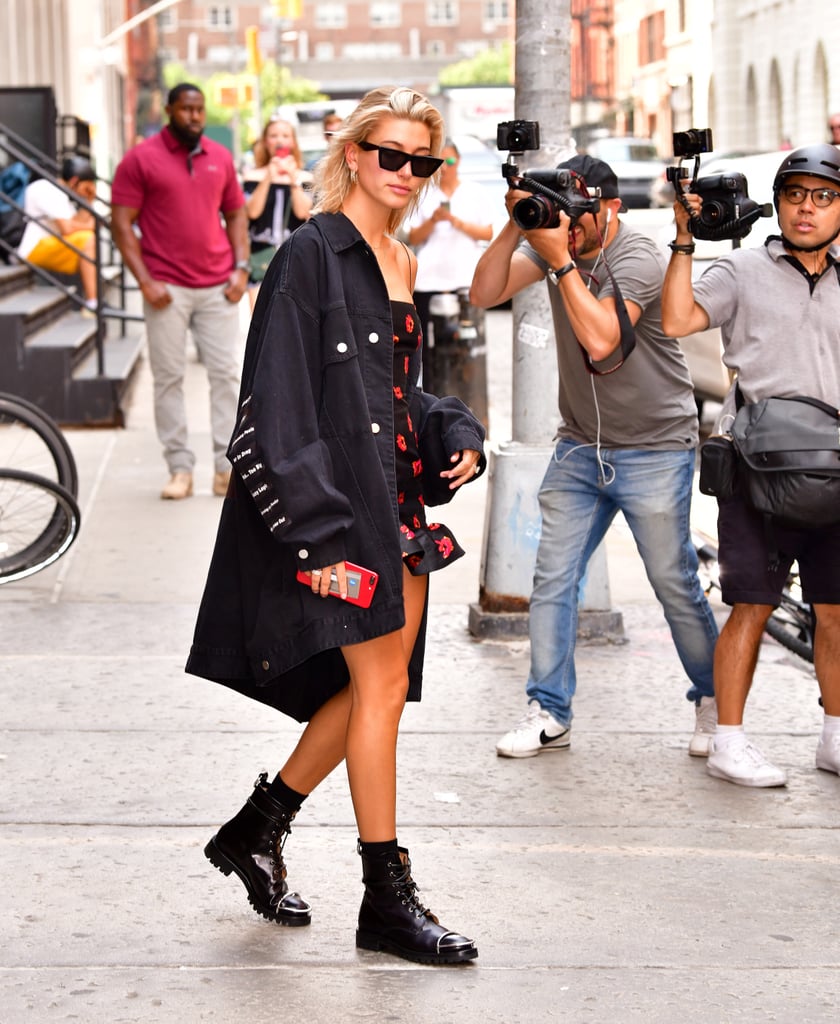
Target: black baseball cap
(596, 174)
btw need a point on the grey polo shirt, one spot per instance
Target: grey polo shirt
(780, 336)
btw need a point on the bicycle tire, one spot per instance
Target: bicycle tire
(792, 627)
(32, 442)
(39, 520)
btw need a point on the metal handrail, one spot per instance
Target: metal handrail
(26, 154)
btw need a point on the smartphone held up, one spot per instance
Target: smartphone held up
(361, 584)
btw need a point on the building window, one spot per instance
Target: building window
(219, 17)
(331, 16)
(652, 38)
(324, 51)
(442, 12)
(496, 12)
(372, 51)
(385, 14)
(168, 20)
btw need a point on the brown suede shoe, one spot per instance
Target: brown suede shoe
(220, 482)
(180, 486)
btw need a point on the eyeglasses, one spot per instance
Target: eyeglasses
(394, 159)
(796, 195)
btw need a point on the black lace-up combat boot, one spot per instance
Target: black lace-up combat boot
(251, 844)
(393, 919)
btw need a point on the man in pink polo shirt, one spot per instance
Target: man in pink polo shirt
(191, 263)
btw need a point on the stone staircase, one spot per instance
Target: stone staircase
(49, 352)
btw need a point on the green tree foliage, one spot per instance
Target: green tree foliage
(493, 66)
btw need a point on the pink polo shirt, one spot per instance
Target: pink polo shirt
(180, 199)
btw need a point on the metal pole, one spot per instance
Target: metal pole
(512, 523)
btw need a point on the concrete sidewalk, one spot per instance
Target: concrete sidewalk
(614, 882)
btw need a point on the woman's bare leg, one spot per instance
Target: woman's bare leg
(323, 744)
(379, 684)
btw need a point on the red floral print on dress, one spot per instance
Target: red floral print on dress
(398, 392)
(409, 323)
(417, 467)
(401, 443)
(445, 546)
(404, 529)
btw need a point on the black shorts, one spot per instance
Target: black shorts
(744, 553)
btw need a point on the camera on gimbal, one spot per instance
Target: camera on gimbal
(727, 210)
(553, 190)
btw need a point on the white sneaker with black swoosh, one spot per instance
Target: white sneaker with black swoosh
(538, 730)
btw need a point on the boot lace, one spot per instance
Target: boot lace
(400, 872)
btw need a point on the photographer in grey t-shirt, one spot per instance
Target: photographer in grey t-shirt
(626, 444)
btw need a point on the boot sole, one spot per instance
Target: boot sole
(227, 867)
(367, 940)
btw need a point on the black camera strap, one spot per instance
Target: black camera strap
(627, 339)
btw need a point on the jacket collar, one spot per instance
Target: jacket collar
(338, 230)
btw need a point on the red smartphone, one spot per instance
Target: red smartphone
(282, 151)
(361, 584)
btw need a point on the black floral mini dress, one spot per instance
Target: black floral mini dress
(425, 546)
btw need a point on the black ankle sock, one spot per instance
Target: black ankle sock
(378, 849)
(285, 795)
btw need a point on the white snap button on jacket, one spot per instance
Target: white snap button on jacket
(373, 337)
(303, 553)
(375, 428)
(342, 346)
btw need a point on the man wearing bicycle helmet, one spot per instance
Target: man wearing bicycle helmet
(778, 308)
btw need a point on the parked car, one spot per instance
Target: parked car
(636, 163)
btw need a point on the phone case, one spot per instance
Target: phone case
(361, 584)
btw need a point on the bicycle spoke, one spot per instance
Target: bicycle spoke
(39, 520)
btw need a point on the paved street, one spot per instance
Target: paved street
(614, 882)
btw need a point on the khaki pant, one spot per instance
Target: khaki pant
(214, 323)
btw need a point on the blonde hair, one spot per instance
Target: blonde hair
(332, 175)
(261, 153)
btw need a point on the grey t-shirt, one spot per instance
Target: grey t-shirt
(646, 403)
(778, 336)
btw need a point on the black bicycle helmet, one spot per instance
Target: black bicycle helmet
(820, 161)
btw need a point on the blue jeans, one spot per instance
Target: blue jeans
(578, 500)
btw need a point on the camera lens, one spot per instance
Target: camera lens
(712, 212)
(535, 212)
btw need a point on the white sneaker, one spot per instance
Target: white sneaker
(828, 753)
(744, 764)
(704, 727)
(539, 730)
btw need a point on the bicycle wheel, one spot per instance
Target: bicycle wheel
(31, 442)
(39, 520)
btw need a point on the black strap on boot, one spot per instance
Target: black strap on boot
(251, 845)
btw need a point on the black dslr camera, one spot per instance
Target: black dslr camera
(727, 210)
(553, 190)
